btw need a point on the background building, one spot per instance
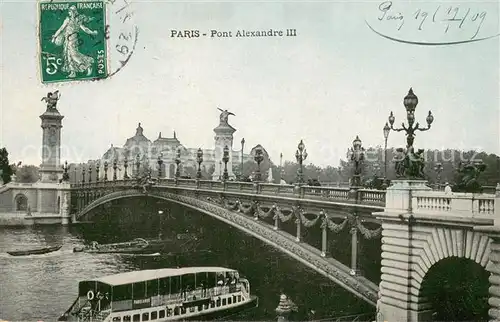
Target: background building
(147, 152)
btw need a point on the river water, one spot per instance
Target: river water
(41, 287)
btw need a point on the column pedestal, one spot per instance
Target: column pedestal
(397, 299)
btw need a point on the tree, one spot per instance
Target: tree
(6, 170)
(27, 174)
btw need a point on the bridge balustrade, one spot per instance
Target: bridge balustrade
(454, 204)
(342, 194)
(372, 196)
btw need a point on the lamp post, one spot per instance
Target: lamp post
(105, 171)
(413, 165)
(160, 162)
(259, 157)
(178, 162)
(225, 159)
(357, 155)
(97, 169)
(281, 167)
(242, 146)
(125, 166)
(438, 168)
(199, 159)
(387, 129)
(115, 167)
(220, 170)
(90, 173)
(301, 155)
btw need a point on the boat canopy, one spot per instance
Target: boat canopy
(142, 285)
(153, 274)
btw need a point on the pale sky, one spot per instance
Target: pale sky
(336, 79)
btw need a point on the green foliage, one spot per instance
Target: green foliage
(27, 174)
(5, 168)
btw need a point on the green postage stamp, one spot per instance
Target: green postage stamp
(72, 40)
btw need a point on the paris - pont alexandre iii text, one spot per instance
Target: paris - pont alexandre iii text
(239, 33)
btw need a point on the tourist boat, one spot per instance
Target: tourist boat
(169, 294)
(37, 251)
(137, 245)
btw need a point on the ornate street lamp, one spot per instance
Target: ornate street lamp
(90, 173)
(357, 155)
(301, 155)
(125, 166)
(97, 169)
(413, 166)
(259, 157)
(220, 170)
(199, 159)
(115, 166)
(438, 168)
(83, 174)
(178, 162)
(242, 146)
(410, 102)
(160, 162)
(225, 159)
(281, 167)
(387, 129)
(105, 170)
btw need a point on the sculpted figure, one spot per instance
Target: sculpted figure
(51, 99)
(399, 162)
(224, 116)
(67, 36)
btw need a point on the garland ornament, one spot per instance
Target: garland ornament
(367, 233)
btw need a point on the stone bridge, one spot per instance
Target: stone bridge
(259, 210)
(418, 227)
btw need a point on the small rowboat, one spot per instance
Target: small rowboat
(37, 251)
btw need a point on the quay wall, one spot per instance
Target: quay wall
(13, 219)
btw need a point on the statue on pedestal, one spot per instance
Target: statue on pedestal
(468, 176)
(51, 99)
(224, 116)
(409, 164)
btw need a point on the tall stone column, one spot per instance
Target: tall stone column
(223, 137)
(50, 168)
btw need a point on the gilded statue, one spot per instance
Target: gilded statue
(224, 116)
(51, 99)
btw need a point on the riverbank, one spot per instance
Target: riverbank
(16, 219)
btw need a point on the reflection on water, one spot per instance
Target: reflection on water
(43, 286)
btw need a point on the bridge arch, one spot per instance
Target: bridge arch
(456, 289)
(444, 253)
(443, 243)
(330, 268)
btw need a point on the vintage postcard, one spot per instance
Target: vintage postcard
(166, 160)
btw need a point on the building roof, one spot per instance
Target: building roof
(151, 274)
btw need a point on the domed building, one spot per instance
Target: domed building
(139, 150)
